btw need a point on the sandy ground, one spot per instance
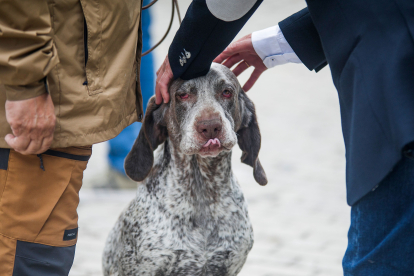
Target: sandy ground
(300, 218)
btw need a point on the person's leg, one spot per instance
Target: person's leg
(381, 236)
(38, 218)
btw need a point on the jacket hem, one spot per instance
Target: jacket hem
(89, 138)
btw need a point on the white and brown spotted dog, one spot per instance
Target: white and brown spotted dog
(189, 216)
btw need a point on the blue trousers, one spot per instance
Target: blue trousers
(381, 236)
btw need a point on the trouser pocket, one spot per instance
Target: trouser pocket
(409, 153)
(37, 205)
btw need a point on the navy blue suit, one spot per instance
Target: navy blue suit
(204, 36)
(369, 46)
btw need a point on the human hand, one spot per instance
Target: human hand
(32, 122)
(242, 51)
(164, 78)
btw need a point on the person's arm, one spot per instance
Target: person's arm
(27, 52)
(27, 55)
(302, 36)
(272, 47)
(294, 40)
(262, 49)
(208, 27)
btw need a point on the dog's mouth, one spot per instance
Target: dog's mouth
(211, 143)
(211, 148)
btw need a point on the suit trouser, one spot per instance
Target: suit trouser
(39, 195)
(381, 236)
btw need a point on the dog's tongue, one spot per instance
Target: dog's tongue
(213, 142)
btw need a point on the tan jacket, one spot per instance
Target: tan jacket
(40, 38)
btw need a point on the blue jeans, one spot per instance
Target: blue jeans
(381, 236)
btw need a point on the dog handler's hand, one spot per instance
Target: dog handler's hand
(32, 122)
(242, 52)
(164, 78)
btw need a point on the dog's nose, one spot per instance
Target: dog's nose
(209, 129)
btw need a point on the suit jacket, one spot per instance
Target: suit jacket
(207, 28)
(369, 46)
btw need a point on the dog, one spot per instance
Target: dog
(189, 216)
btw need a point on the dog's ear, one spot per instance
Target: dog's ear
(249, 138)
(140, 159)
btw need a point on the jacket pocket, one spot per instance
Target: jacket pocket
(93, 46)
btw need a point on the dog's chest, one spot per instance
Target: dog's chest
(182, 239)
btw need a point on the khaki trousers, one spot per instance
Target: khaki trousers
(39, 195)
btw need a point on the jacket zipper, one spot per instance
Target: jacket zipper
(85, 40)
(85, 44)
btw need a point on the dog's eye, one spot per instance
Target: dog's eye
(227, 93)
(183, 96)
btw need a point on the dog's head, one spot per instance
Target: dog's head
(205, 116)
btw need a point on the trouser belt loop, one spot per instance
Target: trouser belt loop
(4, 158)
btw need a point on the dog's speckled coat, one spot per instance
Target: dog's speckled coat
(189, 216)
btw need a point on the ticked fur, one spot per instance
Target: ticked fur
(189, 216)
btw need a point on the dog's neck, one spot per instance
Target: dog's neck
(200, 180)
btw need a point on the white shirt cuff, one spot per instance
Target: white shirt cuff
(272, 47)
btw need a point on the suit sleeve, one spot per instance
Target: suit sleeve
(27, 52)
(302, 36)
(207, 29)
